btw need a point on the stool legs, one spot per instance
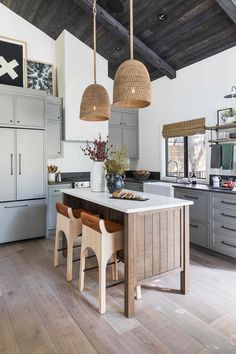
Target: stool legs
(102, 285)
(114, 268)
(57, 244)
(138, 292)
(82, 267)
(69, 260)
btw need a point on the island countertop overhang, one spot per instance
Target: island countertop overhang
(155, 202)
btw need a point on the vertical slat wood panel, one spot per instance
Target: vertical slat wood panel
(148, 244)
(184, 275)
(177, 235)
(163, 242)
(156, 254)
(140, 247)
(170, 238)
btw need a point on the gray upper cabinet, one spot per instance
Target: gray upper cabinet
(7, 109)
(54, 127)
(30, 111)
(123, 130)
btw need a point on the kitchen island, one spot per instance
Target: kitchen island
(156, 235)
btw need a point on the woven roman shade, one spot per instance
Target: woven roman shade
(185, 128)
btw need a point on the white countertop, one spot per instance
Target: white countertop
(155, 202)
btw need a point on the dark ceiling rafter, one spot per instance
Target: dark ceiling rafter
(105, 19)
(229, 7)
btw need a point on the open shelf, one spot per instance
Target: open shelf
(221, 127)
(233, 141)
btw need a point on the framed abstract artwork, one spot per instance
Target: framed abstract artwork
(41, 76)
(13, 54)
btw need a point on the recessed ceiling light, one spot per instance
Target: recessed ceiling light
(162, 17)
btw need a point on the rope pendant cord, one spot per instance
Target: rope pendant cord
(131, 29)
(94, 42)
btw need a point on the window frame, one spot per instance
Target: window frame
(186, 164)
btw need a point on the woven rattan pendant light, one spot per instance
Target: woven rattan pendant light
(95, 104)
(132, 85)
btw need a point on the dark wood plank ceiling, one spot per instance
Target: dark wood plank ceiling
(193, 29)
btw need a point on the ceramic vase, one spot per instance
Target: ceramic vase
(97, 177)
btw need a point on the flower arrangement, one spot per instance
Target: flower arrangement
(99, 150)
(117, 163)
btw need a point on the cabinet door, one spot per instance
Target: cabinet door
(130, 140)
(7, 109)
(30, 111)
(130, 119)
(115, 136)
(30, 164)
(199, 234)
(116, 118)
(8, 170)
(52, 215)
(54, 139)
(22, 220)
(53, 111)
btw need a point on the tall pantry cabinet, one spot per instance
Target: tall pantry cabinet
(23, 168)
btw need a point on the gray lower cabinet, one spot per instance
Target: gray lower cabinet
(22, 220)
(134, 186)
(199, 215)
(223, 223)
(54, 196)
(54, 127)
(212, 219)
(123, 130)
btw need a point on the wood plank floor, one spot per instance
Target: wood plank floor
(41, 313)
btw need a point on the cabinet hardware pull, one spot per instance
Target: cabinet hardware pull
(16, 206)
(11, 164)
(19, 164)
(230, 203)
(228, 244)
(189, 196)
(56, 190)
(227, 228)
(18, 121)
(229, 216)
(196, 226)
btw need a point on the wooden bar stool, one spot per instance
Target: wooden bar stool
(105, 238)
(69, 222)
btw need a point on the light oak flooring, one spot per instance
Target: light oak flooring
(41, 313)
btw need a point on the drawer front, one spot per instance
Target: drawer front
(224, 228)
(224, 244)
(22, 220)
(224, 201)
(56, 189)
(134, 186)
(200, 209)
(199, 234)
(224, 215)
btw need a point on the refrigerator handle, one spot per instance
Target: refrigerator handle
(11, 164)
(19, 164)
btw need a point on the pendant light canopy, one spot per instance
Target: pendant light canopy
(232, 93)
(132, 85)
(95, 104)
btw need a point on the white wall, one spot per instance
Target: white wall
(198, 91)
(39, 45)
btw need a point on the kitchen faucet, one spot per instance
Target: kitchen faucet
(177, 168)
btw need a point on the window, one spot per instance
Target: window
(185, 155)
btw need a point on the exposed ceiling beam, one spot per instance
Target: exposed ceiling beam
(106, 20)
(229, 6)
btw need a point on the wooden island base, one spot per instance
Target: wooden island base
(155, 242)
